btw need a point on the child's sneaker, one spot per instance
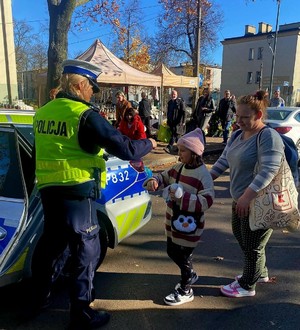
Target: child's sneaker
(236, 291)
(260, 280)
(179, 297)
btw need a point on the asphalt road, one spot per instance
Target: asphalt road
(136, 276)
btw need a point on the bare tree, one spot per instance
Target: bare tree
(31, 50)
(177, 33)
(23, 35)
(60, 13)
(38, 55)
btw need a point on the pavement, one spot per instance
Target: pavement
(158, 157)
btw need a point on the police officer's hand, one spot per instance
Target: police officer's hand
(152, 185)
(154, 144)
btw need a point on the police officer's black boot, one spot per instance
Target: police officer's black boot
(83, 317)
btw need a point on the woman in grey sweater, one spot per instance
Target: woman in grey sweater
(240, 156)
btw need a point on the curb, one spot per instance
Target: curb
(160, 157)
(156, 158)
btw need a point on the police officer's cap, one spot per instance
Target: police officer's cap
(85, 69)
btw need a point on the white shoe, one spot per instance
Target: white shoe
(179, 297)
(236, 291)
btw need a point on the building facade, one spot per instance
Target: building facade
(247, 61)
(210, 77)
(8, 76)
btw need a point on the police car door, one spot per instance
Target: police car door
(13, 195)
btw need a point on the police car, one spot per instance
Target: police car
(123, 208)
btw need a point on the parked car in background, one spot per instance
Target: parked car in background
(123, 208)
(285, 120)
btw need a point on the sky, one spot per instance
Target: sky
(237, 14)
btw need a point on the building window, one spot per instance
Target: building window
(257, 77)
(260, 53)
(249, 78)
(208, 74)
(251, 54)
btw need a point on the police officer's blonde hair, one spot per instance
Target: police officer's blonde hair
(69, 81)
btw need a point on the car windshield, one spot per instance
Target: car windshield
(277, 114)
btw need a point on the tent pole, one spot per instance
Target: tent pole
(160, 119)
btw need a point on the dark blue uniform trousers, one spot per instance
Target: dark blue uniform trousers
(71, 222)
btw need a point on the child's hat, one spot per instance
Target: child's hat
(85, 69)
(193, 141)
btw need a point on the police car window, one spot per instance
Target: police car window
(27, 132)
(11, 183)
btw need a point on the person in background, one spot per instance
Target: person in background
(226, 111)
(70, 138)
(175, 117)
(145, 113)
(196, 197)
(241, 155)
(204, 109)
(276, 100)
(132, 126)
(121, 106)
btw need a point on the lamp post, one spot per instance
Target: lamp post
(273, 39)
(198, 43)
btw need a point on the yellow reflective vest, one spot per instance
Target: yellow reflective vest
(59, 157)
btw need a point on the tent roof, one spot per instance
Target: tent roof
(170, 79)
(114, 70)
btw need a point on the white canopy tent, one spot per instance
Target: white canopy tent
(170, 79)
(114, 70)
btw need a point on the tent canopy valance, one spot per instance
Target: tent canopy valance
(116, 71)
(170, 79)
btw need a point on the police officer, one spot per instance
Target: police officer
(69, 140)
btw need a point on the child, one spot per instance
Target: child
(132, 126)
(196, 196)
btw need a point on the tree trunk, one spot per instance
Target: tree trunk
(60, 13)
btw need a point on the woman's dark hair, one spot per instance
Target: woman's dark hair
(195, 162)
(129, 111)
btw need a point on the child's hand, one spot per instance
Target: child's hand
(172, 195)
(152, 185)
(176, 191)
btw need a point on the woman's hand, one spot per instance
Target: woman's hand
(243, 203)
(242, 207)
